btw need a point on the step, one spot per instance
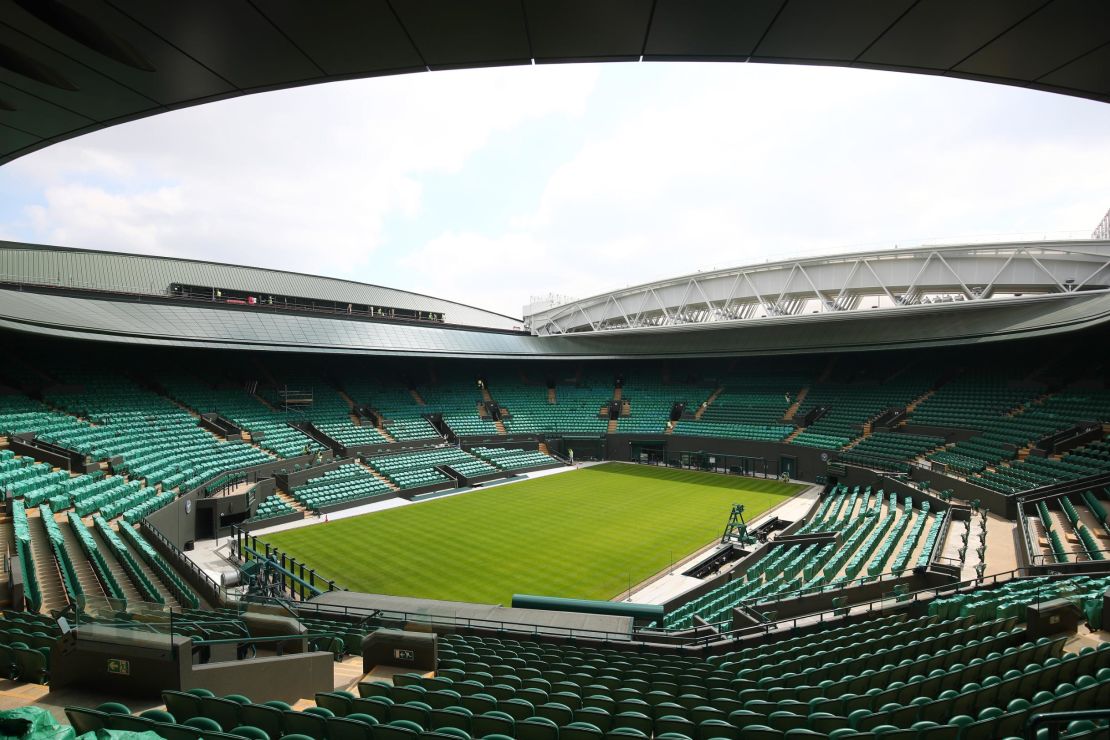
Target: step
(793, 408)
(918, 401)
(46, 568)
(90, 584)
(264, 402)
(392, 486)
(708, 402)
(343, 394)
(151, 575)
(283, 496)
(130, 592)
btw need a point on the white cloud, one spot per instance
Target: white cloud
(671, 168)
(714, 171)
(301, 179)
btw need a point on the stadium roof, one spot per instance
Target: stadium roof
(68, 67)
(145, 321)
(128, 298)
(36, 265)
(895, 278)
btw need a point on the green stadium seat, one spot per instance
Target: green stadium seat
(266, 718)
(129, 723)
(342, 728)
(305, 723)
(251, 732)
(580, 731)
(203, 724)
(224, 711)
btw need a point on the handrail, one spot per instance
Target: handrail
(652, 637)
(287, 573)
(245, 541)
(216, 591)
(247, 639)
(458, 622)
(912, 596)
(1055, 719)
(942, 537)
(1043, 559)
(782, 596)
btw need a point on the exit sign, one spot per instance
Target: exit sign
(119, 667)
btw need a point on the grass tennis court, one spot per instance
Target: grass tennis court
(580, 534)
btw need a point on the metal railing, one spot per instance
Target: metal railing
(887, 602)
(248, 646)
(389, 616)
(181, 560)
(1054, 722)
(872, 606)
(303, 580)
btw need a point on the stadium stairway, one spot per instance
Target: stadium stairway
(917, 401)
(119, 573)
(392, 486)
(7, 536)
(793, 408)
(351, 404)
(46, 569)
(709, 401)
(384, 432)
(262, 400)
(290, 501)
(90, 584)
(416, 397)
(169, 599)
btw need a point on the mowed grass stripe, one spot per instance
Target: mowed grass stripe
(581, 534)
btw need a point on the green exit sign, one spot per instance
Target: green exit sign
(119, 667)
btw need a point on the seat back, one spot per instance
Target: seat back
(305, 723)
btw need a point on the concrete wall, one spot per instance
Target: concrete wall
(357, 502)
(81, 659)
(59, 457)
(177, 520)
(284, 678)
(859, 594)
(271, 522)
(999, 503)
(808, 460)
(90, 658)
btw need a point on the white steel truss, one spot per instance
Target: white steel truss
(850, 282)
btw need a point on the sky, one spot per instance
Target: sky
(493, 186)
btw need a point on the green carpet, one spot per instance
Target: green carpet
(581, 534)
